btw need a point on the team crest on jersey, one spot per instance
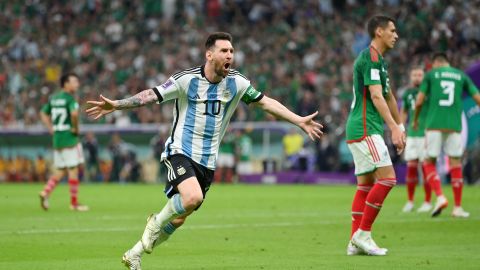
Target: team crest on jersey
(227, 94)
(167, 84)
(181, 170)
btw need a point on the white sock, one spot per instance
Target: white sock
(172, 209)
(138, 248)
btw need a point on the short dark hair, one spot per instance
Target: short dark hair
(65, 77)
(378, 21)
(440, 56)
(212, 38)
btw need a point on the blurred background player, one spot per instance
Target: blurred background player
(373, 104)
(60, 116)
(205, 99)
(415, 146)
(442, 89)
(226, 159)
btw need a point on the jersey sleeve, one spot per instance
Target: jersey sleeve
(470, 86)
(251, 95)
(425, 85)
(73, 105)
(247, 92)
(371, 73)
(168, 90)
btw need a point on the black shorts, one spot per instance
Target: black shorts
(179, 168)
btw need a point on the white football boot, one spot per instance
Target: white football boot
(425, 207)
(79, 208)
(441, 204)
(352, 250)
(363, 240)
(132, 261)
(459, 212)
(408, 207)
(150, 235)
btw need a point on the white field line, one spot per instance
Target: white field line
(213, 226)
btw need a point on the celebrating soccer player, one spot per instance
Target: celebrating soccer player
(60, 116)
(415, 147)
(443, 86)
(205, 99)
(373, 104)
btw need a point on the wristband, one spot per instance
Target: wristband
(402, 127)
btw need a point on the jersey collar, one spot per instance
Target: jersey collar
(202, 72)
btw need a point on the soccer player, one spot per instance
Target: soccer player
(415, 146)
(444, 85)
(205, 99)
(60, 116)
(373, 104)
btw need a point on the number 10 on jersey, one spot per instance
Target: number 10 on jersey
(212, 107)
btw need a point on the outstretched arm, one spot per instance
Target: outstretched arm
(309, 126)
(106, 106)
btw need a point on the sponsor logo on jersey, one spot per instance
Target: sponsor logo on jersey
(167, 84)
(181, 170)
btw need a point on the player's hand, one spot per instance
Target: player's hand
(74, 131)
(100, 108)
(50, 130)
(398, 139)
(311, 127)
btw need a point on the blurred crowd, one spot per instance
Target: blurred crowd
(300, 52)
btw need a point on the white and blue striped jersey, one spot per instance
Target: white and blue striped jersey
(202, 111)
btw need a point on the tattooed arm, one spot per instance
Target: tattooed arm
(106, 106)
(143, 98)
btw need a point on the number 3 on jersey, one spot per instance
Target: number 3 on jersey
(448, 89)
(59, 116)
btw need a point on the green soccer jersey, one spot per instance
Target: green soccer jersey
(59, 107)
(228, 144)
(409, 98)
(246, 147)
(444, 87)
(364, 119)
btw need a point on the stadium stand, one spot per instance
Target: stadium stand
(289, 49)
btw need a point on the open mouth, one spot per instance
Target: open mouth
(226, 65)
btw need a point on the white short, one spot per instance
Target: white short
(451, 141)
(226, 160)
(68, 157)
(244, 167)
(415, 148)
(369, 154)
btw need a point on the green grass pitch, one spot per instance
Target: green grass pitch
(238, 227)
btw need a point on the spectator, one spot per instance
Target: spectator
(41, 169)
(92, 164)
(119, 150)
(158, 145)
(292, 147)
